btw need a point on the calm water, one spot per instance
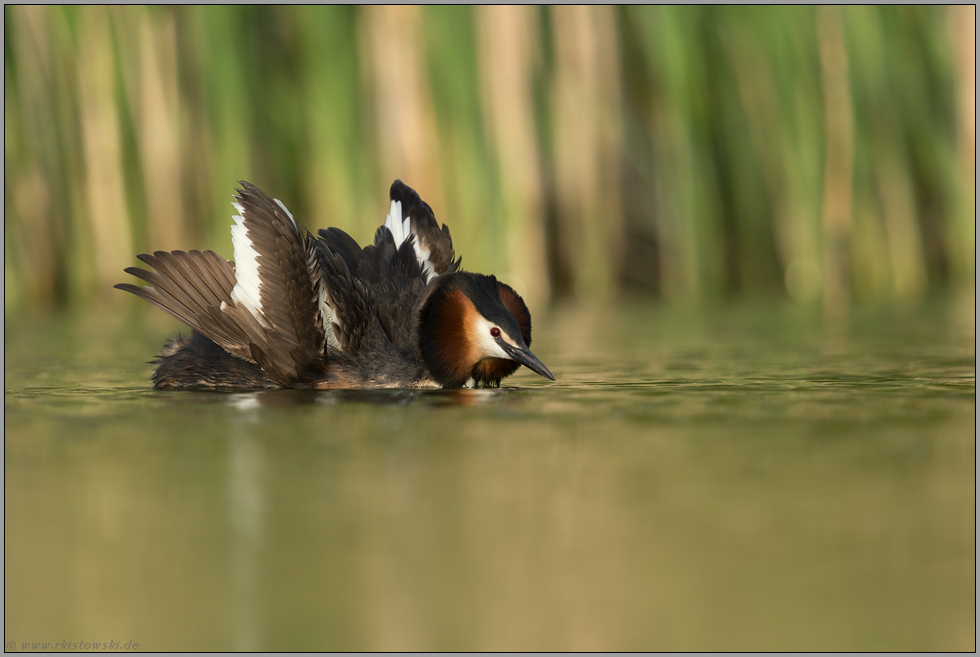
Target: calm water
(743, 479)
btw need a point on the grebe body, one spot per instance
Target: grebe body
(297, 310)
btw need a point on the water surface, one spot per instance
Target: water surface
(741, 479)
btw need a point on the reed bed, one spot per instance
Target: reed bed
(691, 153)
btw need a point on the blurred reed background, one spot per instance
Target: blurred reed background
(692, 153)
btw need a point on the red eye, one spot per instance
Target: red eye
(495, 332)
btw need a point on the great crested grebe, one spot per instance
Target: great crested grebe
(295, 310)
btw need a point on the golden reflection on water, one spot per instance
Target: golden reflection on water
(670, 492)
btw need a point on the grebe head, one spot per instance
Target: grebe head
(474, 327)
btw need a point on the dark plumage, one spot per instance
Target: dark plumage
(305, 311)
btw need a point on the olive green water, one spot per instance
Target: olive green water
(741, 479)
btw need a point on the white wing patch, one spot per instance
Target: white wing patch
(400, 229)
(288, 213)
(247, 283)
(428, 271)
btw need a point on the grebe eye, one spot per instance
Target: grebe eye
(495, 332)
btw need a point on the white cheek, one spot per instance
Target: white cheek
(486, 343)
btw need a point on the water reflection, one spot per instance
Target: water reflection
(269, 399)
(672, 491)
(247, 503)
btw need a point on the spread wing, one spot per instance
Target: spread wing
(268, 307)
(192, 286)
(373, 292)
(411, 220)
(279, 291)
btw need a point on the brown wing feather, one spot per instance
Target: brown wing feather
(183, 284)
(285, 333)
(288, 335)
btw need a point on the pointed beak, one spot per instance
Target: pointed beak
(524, 356)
